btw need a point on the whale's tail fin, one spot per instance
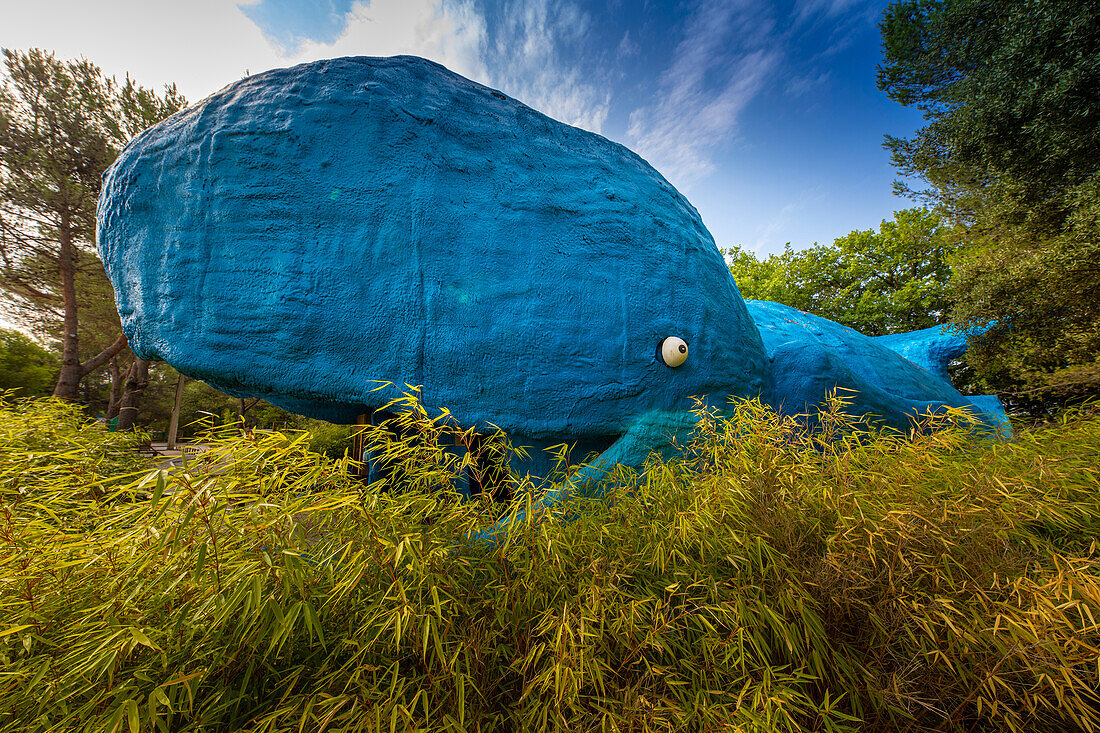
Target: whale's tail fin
(991, 411)
(930, 348)
(933, 349)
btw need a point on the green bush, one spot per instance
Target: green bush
(25, 367)
(330, 439)
(51, 455)
(768, 580)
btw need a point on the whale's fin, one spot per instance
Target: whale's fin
(652, 431)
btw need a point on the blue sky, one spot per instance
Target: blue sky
(764, 114)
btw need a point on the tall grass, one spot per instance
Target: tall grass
(768, 580)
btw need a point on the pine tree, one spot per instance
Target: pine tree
(61, 125)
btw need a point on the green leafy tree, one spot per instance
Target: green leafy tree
(61, 125)
(1010, 93)
(25, 366)
(766, 279)
(888, 281)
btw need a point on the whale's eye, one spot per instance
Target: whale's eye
(673, 351)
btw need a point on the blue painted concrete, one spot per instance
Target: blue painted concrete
(323, 235)
(307, 232)
(812, 356)
(894, 378)
(930, 348)
(989, 408)
(653, 431)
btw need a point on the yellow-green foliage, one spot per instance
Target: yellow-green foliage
(768, 580)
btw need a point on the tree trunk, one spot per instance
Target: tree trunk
(116, 387)
(72, 371)
(104, 356)
(91, 365)
(68, 381)
(136, 382)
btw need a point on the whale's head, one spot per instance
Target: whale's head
(309, 233)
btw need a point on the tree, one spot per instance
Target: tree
(25, 366)
(99, 325)
(136, 381)
(61, 125)
(765, 279)
(1010, 93)
(889, 281)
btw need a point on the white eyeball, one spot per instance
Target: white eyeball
(673, 351)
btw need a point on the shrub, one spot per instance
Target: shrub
(25, 367)
(768, 579)
(330, 439)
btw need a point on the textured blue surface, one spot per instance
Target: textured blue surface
(310, 233)
(651, 431)
(931, 348)
(812, 356)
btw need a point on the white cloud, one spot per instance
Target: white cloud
(204, 45)
(844, 19)
(524, 59)
(766, 233)
(201, 45)
(450, 33)
(628, 48)
(775, 232)
(799, 86)
(528, 63)
(702, 93)
(542, 52)
(805, 10)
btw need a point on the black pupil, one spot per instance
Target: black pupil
(683, 349)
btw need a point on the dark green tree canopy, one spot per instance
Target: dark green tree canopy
(888, 281)
(1010, 92)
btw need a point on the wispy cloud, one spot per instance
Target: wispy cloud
(628, 48)
(535, 51)
(799, 86)
(538, 57)
(805, 10)
(769, 234)
(451, 33)
(551, 55)
(722, 61)
(844, 19)
(287, 24)
(766, 233)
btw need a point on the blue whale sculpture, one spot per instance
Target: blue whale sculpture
(307, 234)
